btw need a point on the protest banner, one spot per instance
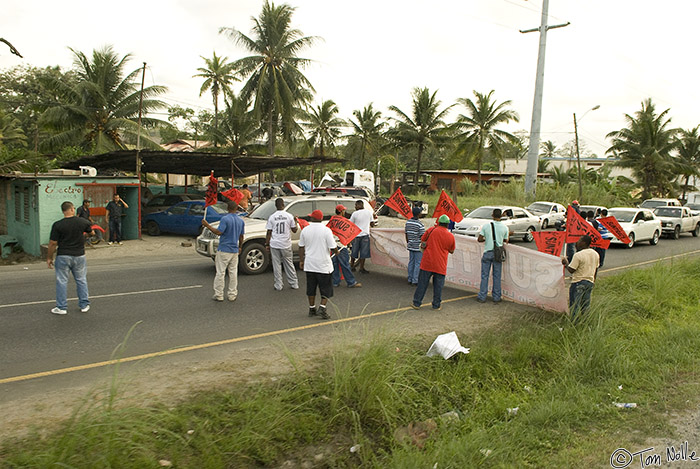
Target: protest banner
(550, 242)
(233, 194)
(343, 228)
(529, 277)
(211, 196)
(615, 229)
(576, 227)
(446, 206)
(398, 202)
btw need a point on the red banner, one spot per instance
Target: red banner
(343, 228)
(399, 203)
(576, 227)
(233, 194)
(446, 206)
(550, 242)
(614, 228)
(302, 223)
(211, 196)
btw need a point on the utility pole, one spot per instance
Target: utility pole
(578, 152)
(138, 146)
(533, 149)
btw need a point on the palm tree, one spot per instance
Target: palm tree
(239, 127)
(479, 128)
(218, 76)
(11, 132)
(549, 149)
(688, 144)
(99, 113)
(425, 128)
(645, 147)
(367, 131)
(274, 70)
(323, 125)
(561, 176)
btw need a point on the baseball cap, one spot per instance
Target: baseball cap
(575, 202)
(444, 219)
(340, 207)
(416, 211)
(316, 215)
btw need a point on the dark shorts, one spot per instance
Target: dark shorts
(360, 248)
(324, 283)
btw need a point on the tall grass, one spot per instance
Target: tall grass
(638, 344)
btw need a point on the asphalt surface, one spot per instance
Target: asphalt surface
(165, 303)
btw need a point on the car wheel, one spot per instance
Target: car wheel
(528, 238)
(631, 243)
(677, 232)
(655, 239)
(696, 231)
(545, 224)
(254, 259)
(152, 228)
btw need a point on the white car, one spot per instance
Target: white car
(550, 213)
(519, 221)
(640, 224)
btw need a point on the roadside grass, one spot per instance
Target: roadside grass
(638, 344)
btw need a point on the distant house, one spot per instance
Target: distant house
(450, 179)
(567, 163)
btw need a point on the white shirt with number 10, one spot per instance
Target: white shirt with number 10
(281, 224)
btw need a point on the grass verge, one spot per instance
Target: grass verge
(386, 399)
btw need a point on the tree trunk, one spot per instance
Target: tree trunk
(420, 155)
(216, 120)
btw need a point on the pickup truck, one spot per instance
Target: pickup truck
(677, 220)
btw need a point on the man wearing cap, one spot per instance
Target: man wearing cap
(280, 227)
(364, 219)
(437, 243)
(315, 246)
(491, 232)
(414, 229)
(341, 261)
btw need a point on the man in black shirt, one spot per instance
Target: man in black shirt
(115, 208)
(84, 210)
(68, 235)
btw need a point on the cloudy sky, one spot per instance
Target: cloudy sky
(614, 54)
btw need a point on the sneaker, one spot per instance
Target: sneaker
(295, 288)
(217, 298)
(322, 313)
(415, 306)
(120, 243)
(480, 300)
(231, 298)
(438, 308)
(85, 309)
(59, 311)
(355, 285)
(312, 311)
(110, 243)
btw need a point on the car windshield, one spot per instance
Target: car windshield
(220, 208)
(693, 206)
(622, 216)
(263, 211)
(538, 207)
(653, 203)
(481, 212)
(668, 212)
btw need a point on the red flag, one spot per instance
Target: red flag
(614, 227)
(343, 228)
(446, 206)
(550, 242)
(302, 223)
(399, 203)
(576, 227)
(212, 191)
(233, 194)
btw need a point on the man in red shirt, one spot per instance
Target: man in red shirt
(437, 244)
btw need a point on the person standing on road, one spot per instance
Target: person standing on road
(84, 211)
(437, 244)
(68, 235)
(584, 268)
(247, 197)
(114, 211)
(315, 246)
(278, 242)
(488, 261)
(364, 219)
(341, 261)
(414, 229)
(230, 232)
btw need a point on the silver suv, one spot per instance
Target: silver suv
(254, 258)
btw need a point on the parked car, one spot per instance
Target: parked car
(164, 201)
(550, 213)
(677, 220)
(694, 208)
(520, 222)
(356, 190)
(254, 258)
(640, 224)
(653, 203)
(184, 218)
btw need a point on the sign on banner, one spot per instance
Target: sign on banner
(343, 228)
(550, 242)
(576, 227)
(212, 191)
(302, 223)
(615, 229)
(529, 277)
(446, 206)
(233, 194)
(398, 202)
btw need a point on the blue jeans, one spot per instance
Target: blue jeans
(115, 229)
(423, 281)
(579, 297)
(414, 258)
(486, 264)
(77, 266)
(342, 261)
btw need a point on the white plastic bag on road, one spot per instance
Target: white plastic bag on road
(446, 345)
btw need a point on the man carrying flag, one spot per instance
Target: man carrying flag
(399, 203)
(341, 261)
(230, 231)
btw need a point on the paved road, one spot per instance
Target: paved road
(168, 304)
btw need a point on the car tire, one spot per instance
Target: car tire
(545, 224)
(630, 245)
(529, 237)
(676, 232)
(254, 258)
(696, 231)
(655, 239)
(152, 228)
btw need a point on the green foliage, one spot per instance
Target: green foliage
(366, 139)
(218, 76)
(323, 126)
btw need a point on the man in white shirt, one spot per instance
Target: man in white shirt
(364, 219)
(316, 243)
(280, 227)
